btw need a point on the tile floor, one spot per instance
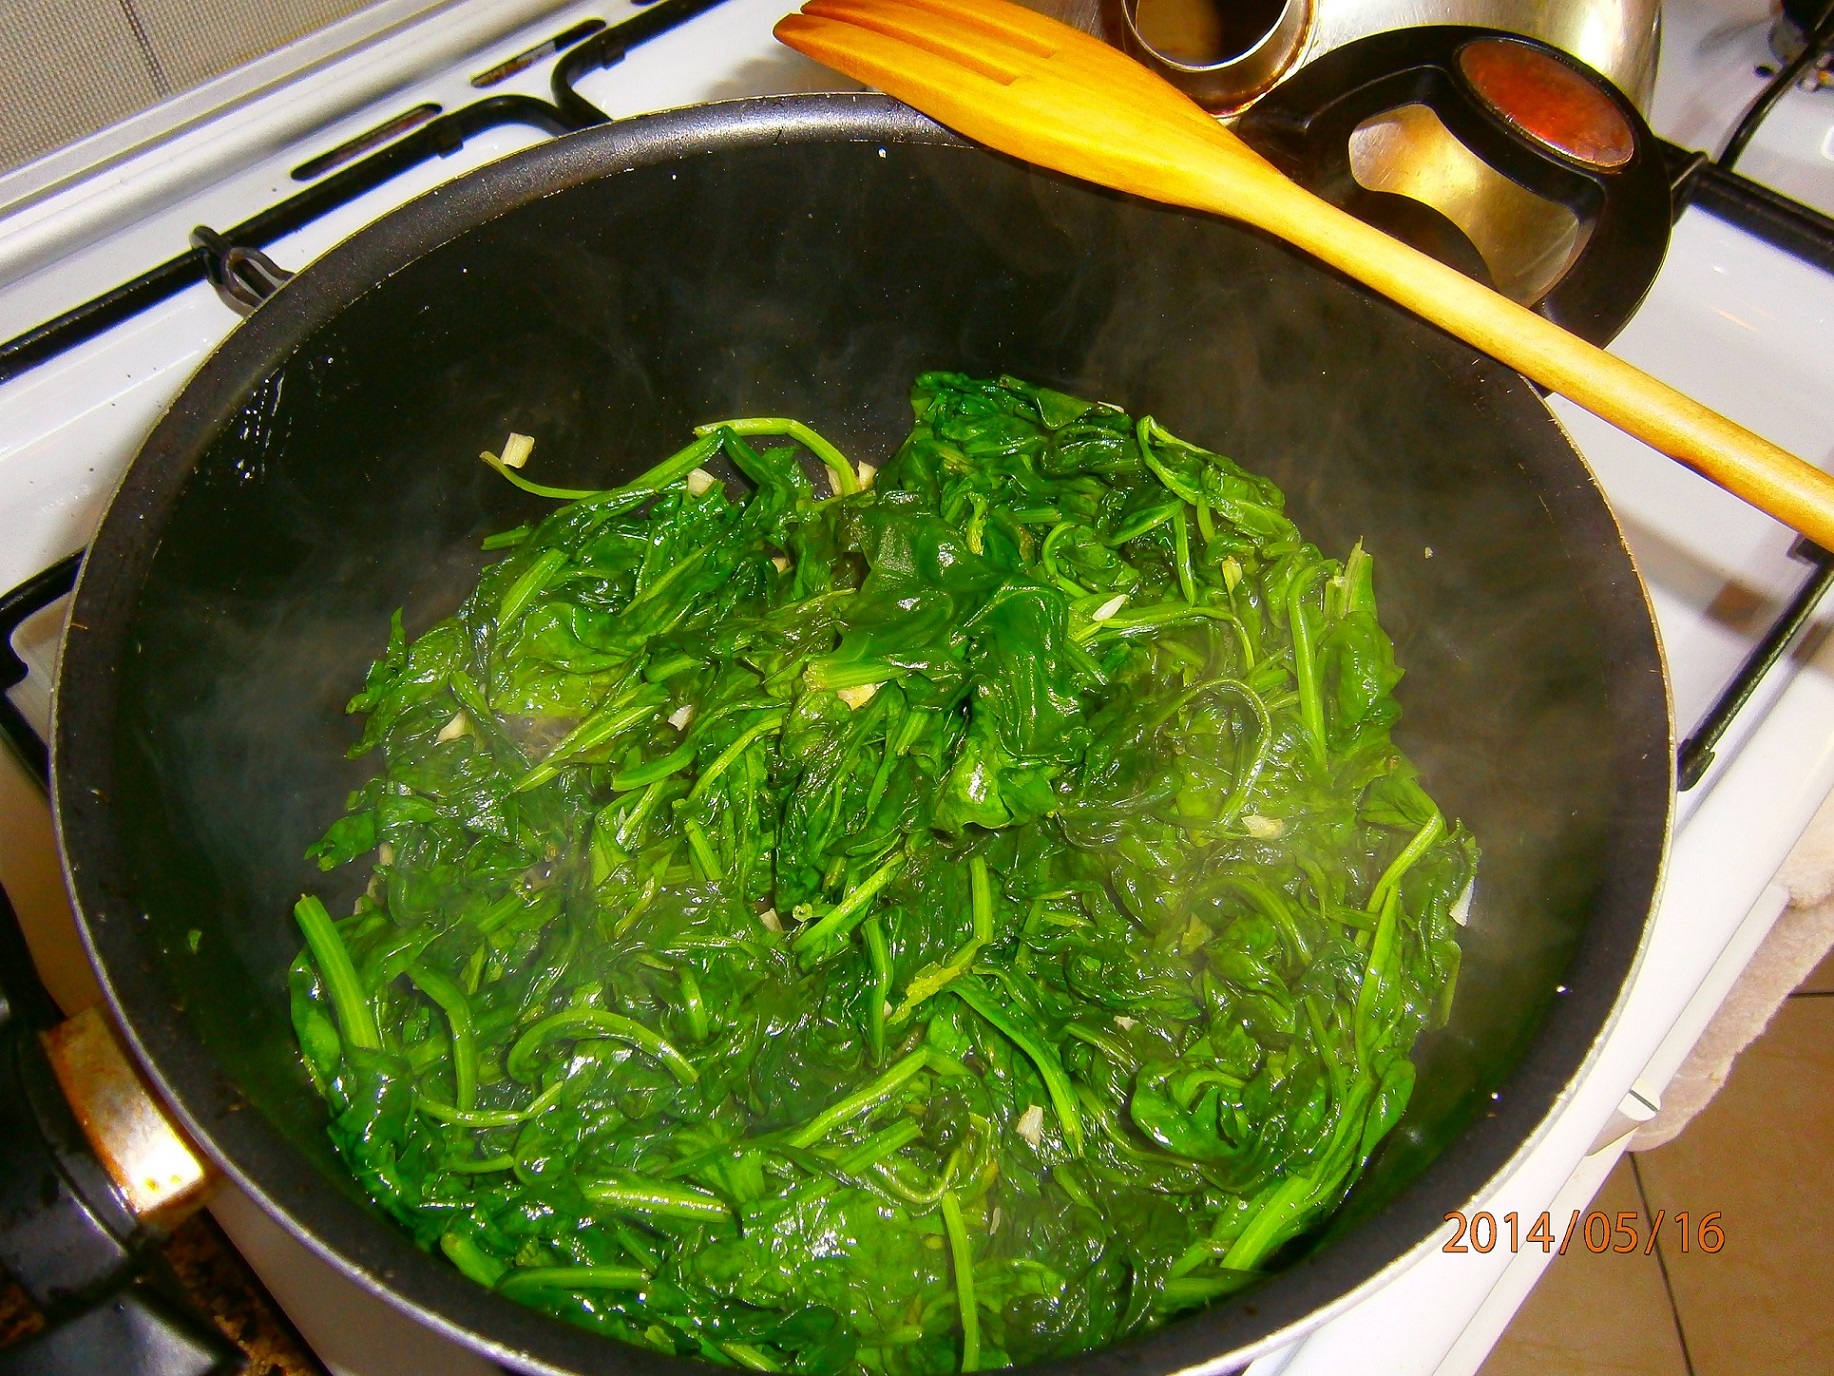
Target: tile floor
(1762, 1154)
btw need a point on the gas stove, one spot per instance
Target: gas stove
(111, 293)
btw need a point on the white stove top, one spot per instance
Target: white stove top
(1740, 325)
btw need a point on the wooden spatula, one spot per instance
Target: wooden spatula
(1052, 95)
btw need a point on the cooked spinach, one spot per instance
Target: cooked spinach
(967, 919)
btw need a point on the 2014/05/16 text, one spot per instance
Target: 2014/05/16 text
(1599, 1232)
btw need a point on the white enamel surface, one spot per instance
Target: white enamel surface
(181, 152)
(1711, 53)
(1732, 321)
(1741, 326)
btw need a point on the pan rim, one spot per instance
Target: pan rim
(379, 1257)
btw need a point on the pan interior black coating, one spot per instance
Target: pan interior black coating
(806, 257)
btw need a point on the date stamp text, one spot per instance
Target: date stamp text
(1595, 1231)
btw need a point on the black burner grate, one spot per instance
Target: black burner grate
(437, 138)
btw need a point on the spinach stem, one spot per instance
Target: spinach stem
(594, 1022)
(1139, 524)
(480, 1165)
(654, 1197)
(457, 1008)
(1184, 1291)
(692, 1004)
(1056, 1083)
(534, 489)
(749, 1357)
(529, 582)
(977, 522)
(829, 671)
(628, 709)
(653, 480)
(846, 481)
(471, 1259)
(1070, 1184)
(1377, 977)
(1148, 431)
(964, 1280)
(1103, 1042)
(880, 1145)
(849, 911)
(860, 1101)
(1406, 860)
(980, 893)
(489, 1117)
(500, 912)
(1160, 614)
(1250, 775)
(676, 571)
(1276, 908)
(506, 539)
(1305, 667)
(701, 849)
(863, 1158)
(769, 722)
(1048, 561)
(1181, 546)
(525, 1281)
(632, 1243)
(880, 956)
(630, 780)
(631, 827)
(356, 1019)
(933, 979)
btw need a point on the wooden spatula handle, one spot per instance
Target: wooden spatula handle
(1772, 479)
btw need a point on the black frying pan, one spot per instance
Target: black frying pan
(806, 256)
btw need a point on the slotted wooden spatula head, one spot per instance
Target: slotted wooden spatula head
(1030, 86)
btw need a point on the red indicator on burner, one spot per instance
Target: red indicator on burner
(1548, 100)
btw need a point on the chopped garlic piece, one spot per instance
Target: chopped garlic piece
(1109, 608)
(993, 1223)
(1031, 1124)
(1263, 828)
(516, 450)
(867, 473)
(769, 918)
(699, 480)
(856, 698)
(385, 854)
(782, 563)
(460, 725)
(1461, 906)
(1125, 1024)
(681, 716)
